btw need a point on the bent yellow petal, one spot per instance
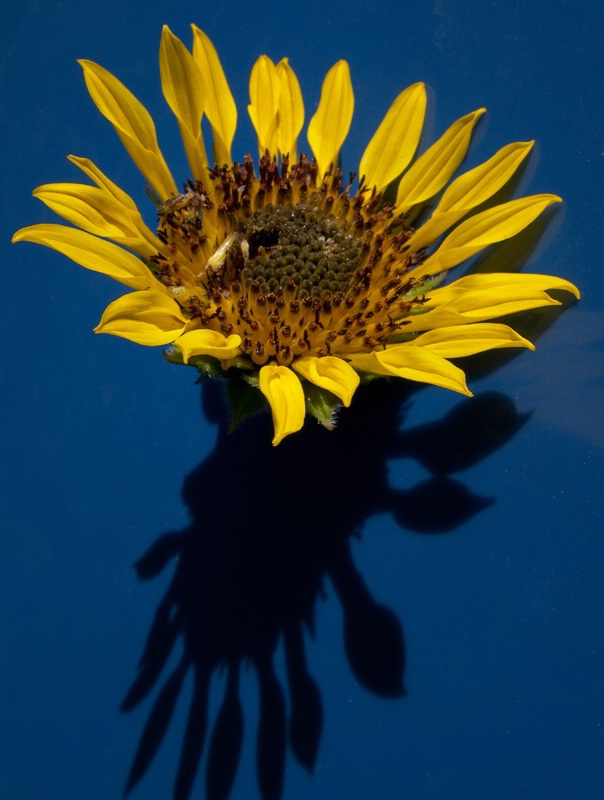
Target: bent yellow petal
(456, 341)
(265, 90)
(470, 190)
(220, 107)
(90, 252)
(489, 227)
(329, 373)
(291, 111)
(184, 90)
(432, 170)
(103, 182)
(153, 245)
(208, 343)
(87, 207)
(149, 318)
(132, 123)
(414, 364)
(285, 396)
(330, 125)
(96, 211)
(394, 143)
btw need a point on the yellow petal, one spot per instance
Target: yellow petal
(291, 111)
(481, 230)
(434, 168)
(486, 296)
(96, 211)
(488, 304)
(414, 364)
(395, 141)
(470, 190)
(329, 373)
(284, 393)
(474, 187)
(208, 343)
(90, 252)
(184, 90)
(87, 207)
(150, 318)
(220, 107)
(457, 341)
(330, 125)
(499, 281)
(103, 182)
(133, 124)
(130, 208)
(265, 90)
(485, 307)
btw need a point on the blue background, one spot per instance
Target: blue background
(502, 615)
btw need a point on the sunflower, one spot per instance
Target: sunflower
(284, 276)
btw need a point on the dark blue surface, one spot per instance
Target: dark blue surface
(502, 615)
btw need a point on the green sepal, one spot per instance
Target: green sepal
(209, 366)
(252, 378)
(244, 400)
(321, 404)
(367, 377)
(238, 363)
(173, 355)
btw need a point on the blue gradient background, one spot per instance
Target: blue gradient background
(502, 617)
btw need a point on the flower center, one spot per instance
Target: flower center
(292, 268)
(300, 244)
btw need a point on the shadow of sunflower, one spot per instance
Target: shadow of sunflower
(268, 527)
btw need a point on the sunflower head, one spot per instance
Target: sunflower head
(282, 274)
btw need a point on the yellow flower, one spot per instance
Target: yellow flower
(280, 272)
